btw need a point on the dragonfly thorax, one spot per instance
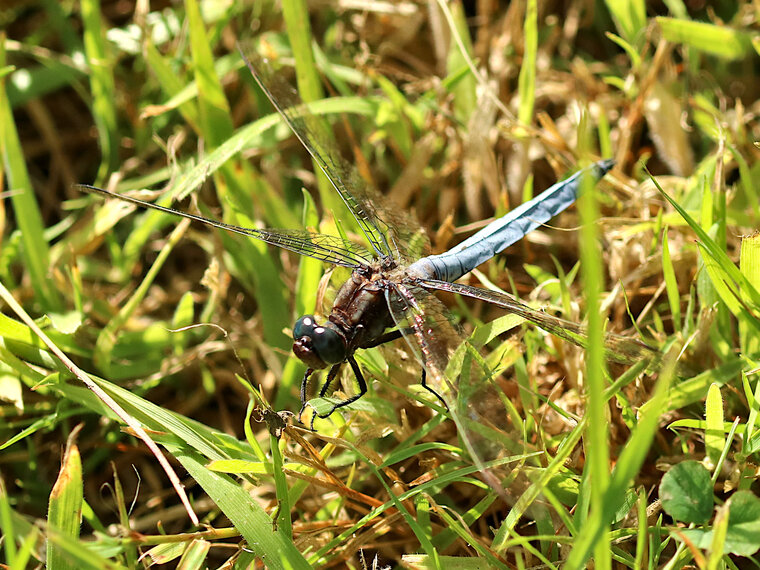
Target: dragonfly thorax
(388, 263)
(318, 346)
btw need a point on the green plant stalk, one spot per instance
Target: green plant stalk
(596, 437)
(283, 521)
(641, 530)
(130, 553)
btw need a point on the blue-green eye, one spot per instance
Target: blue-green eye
(304, 327)
(328, 345)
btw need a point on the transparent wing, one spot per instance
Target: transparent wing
(458, 373)
(368, 206)
(330, 249)
(618, 348)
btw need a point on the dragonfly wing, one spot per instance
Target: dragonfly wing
(618, 348)
(458, 374)
(365, 204)
(426, 327)
(327, 248)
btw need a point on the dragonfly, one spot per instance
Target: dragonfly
(390, 293)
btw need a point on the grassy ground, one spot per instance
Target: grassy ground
(126, 320)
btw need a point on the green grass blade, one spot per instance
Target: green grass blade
(60, 18)
(692, 390)
(597, 435)
(642, 531)
(749, 265)
(65, 506)
(101, 65)
(195, 555)
(633, 55)
(233, 181)
(526, 499)
(183, 317)
(671, 285)
(721, 259)
(753, 399)
(37, 81)
(82, 556)
(714, 434)
(215, 120)
(283, 521)
(310, 272)
(526, 85)
(274, 547)
(6, 524)
(171, 83)
(296, 15)
(465, 94)
(258, 267)
(714, 39)
(626, 468)
(249, 136)
(629, 16)
(108, 337)
(36, 253)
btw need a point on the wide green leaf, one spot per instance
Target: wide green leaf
(686, 492)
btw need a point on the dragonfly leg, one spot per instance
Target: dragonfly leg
(330, 376)
(430, 389)
(304, 386)
(383, 338)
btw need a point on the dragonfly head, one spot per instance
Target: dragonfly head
(318, 346)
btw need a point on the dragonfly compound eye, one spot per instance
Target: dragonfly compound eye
(304, 327)
(328, 345)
